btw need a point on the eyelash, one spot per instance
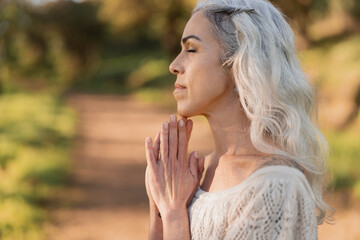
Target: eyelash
(191, 51)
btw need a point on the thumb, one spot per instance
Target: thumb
(201, 163)
(193, 164)
(189, 127)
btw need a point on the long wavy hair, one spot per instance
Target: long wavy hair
(259, 49)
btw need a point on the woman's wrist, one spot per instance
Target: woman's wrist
(176, 224)
(175, 214)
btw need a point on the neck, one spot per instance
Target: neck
(231, 130)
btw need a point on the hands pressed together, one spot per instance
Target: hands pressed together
(171, 177)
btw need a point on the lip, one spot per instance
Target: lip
(179, 86)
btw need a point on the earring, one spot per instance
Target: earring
(236, 91)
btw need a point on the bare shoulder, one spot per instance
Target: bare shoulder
(275, 160)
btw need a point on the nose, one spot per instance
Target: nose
(175, 67)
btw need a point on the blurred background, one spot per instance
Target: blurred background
(82, 83)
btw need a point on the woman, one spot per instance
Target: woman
(264, 179)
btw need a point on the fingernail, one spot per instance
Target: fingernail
(181, 123)
(148, 140)
(173, 118)
(196, 155)
(166, 125)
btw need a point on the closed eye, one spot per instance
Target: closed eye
(191, 50)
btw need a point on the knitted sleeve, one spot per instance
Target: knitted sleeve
(273, 208)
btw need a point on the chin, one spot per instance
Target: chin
(186, 111)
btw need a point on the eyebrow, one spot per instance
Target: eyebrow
(188, 37)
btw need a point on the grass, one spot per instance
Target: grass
(36, 132)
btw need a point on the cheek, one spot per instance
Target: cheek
(209, 83)
(206, 88)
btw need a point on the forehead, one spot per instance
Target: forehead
(200, 26)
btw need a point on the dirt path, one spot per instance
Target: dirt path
(106, 198)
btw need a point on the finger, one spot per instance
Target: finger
(173, 138)
(193, 165)
(191, 197)
(164, 143)
(182, 149)
(164, 153)
(201, 163)
(147, 186)
(150, 157)
(173, 147)
(189, 127)
(157, 146)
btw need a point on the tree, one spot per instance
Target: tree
(50, 45)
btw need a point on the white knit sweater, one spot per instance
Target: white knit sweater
(275, 202)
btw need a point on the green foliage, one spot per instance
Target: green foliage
(19, 220)
(35, 136)
(334, 65)
(344, 158)
(64, 44)
(99, 46)
(352, 7)
(48, 47)
(129, 72)
(342, 62)
(139, 21)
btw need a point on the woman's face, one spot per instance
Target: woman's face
(202, 83)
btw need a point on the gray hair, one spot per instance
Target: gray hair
(258, 46)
